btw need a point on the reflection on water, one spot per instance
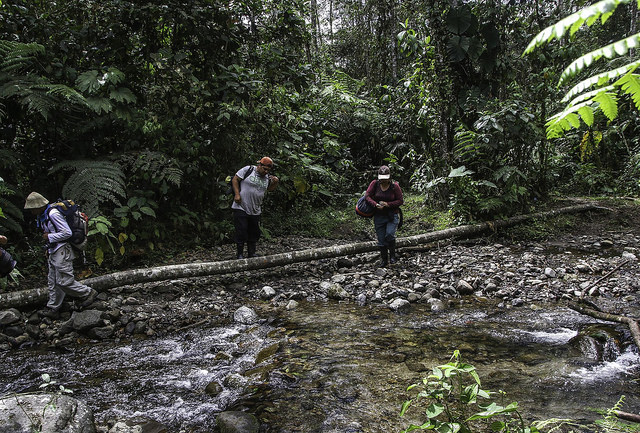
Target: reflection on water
(333, 367)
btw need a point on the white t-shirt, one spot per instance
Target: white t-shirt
(252, 190)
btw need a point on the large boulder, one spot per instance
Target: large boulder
(50, 413)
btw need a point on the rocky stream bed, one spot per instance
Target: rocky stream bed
(596, 258)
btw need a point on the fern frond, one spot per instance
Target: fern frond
(630, 84)
(610, 420)
(586, 112)
(600, 79)
(39, 103)
(16, 55)
(589, 15)
(92, 183)
(156, 164)
(12, 216)
(608, 103)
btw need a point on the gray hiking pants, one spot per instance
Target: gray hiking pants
(61, 280)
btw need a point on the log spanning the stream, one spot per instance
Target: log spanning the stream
(191, 270)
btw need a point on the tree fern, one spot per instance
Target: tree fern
(92, 183)
(156, 165)
(20, 82)
(604, 96)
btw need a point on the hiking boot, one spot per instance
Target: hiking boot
(240, 249)
(392, 252)
(89, 299)
(384, 257)
(50, 313)
(251, 249)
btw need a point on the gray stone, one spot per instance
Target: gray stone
(399, 304)
(56, 414)
(101, 332)
(336, 291)
(267, 292)
(138, 425)
(437, 305)
(291, 305)
(245, 315)
(237, 422)
(464, 288)
(213, 389)
(87, 319)
(9, 317)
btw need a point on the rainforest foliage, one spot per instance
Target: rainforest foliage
(141, 110)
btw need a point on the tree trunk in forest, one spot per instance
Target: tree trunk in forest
(190, 270)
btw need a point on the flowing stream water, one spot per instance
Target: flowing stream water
(332, 367)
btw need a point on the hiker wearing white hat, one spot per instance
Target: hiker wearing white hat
(60, 279)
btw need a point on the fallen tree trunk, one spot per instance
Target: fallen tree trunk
(190, 270)
(631, 323)
(627, 416)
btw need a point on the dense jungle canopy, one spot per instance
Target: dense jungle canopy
(141, 110)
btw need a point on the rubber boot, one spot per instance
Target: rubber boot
(384, 257)
(240, 250)
(251, 249)
(392, 252)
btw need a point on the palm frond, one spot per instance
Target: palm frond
(589, 15)
(616, 49)
(92, 183)
(604, 96)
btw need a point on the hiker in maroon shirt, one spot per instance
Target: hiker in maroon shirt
(386, 195)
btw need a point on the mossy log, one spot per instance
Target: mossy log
(191, 270)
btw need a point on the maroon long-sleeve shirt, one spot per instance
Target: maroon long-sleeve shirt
(393, 196)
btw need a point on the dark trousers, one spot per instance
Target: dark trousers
(247, 227)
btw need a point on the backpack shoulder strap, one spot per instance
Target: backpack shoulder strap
(247, 173)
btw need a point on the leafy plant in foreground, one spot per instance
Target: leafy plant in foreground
(452, 394)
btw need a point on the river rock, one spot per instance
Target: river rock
(291, 305)
(213, 389)
(464, 288)
(56, 413)
(267, 292)
(9, 317)
(245, 315)
(337, 292)
(138, 426)
(237, 422)
(437, 305)
(87, 319)
(101, 332)
(399, 304)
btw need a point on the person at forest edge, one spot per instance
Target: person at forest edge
(386, 196)
(249, 185)
(6, 261)
(60, 280)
